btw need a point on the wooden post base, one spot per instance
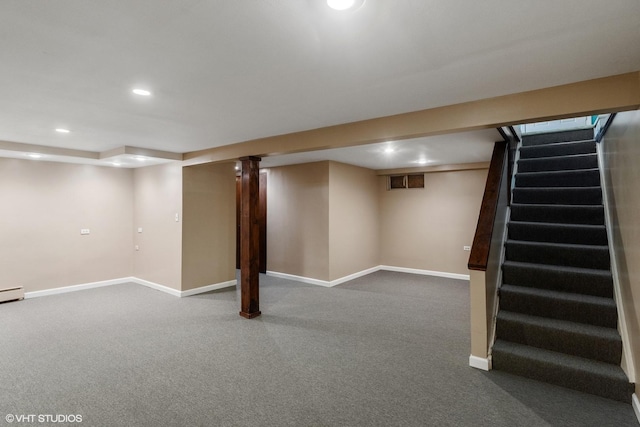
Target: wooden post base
(250, 315)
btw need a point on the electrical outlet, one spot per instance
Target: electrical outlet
(466, 248)
(84, 231)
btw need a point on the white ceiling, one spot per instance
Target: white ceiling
(223, 72)
(467, 147)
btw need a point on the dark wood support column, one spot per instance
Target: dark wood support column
(250, 238)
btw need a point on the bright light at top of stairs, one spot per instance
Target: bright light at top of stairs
(344, 4)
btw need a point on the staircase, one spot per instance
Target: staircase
(557, 320)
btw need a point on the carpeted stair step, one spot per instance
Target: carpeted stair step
(577, 373)
(559, 196)
(560, 149)
(578, 339)
(579, 161)
(558, 233)
(561, 214)
(562, 254)
(559, 136)
(559, 278)
(571, 178)
(557, 319)
(572, 307)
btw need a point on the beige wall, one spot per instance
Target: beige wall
(621, 161)
(298, 220)
(209, 225)
(44, 206)
(427, 228)
(158, 198)
(327, 220)
(353, 220)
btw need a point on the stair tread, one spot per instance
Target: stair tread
(585, 227)
(552, 206)
(559, 172)
(565, 144)
(574, 270)
(558, 136)
(555, 158)
(562, 195)
(547, 213)
(563, 360)
(550, 189)
(562, 163)
(559, 295)
(571, 253)
(583, 329)
(554, 245)
(567, 304)
(580, 141)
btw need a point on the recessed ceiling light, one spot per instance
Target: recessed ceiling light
(389, 150)
(344, 4)
(422, 161)
(61, 130)
(34, 155)
(140, 158)
(141, 92)
(116, 164)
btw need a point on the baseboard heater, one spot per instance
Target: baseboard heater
(11, 294)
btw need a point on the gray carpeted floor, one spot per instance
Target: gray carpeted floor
(388, 349)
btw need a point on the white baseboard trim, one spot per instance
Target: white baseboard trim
(302, 279)
(480, 363)
(156, 286)
(636, 406)
(354, 276)
(324, 283)
(425, 272)
(73, 288)
(330, 284)
(152, 285)
(209, 288)
(183, 294)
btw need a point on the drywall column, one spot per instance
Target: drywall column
(479, 332)
(250, 238)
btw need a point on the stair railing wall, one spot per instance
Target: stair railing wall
(628, 361)
(487, 250)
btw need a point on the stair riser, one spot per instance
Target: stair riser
(554, 150)
(540, 232)
(589, 347)
(600, 284)
(554, 137)
(558, 196)
(592, 215)
(586, 178)
(563, 377)
(573, 311)
(589, 257)
(589, 161)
